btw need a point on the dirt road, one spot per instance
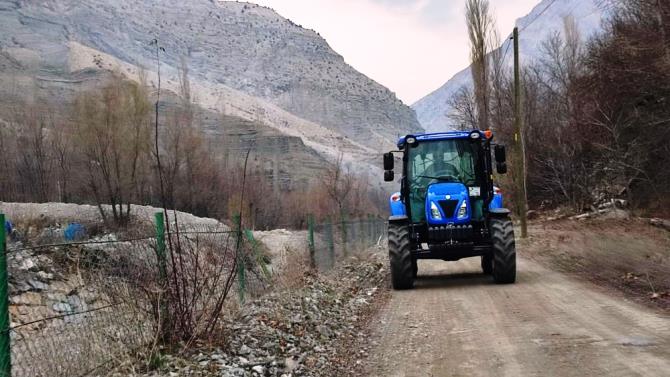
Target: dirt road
(457, 323)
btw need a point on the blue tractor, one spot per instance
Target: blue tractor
(447, 207)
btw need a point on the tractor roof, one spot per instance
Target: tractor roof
(439, 136)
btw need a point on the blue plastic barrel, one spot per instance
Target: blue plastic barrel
(74, 232)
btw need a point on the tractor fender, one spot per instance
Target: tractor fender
(499, 212)
(497, 202)
(398, 219)
(396, 204)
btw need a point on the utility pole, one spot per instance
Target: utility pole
(519, 152)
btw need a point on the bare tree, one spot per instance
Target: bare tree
(8, 163)
(113, 131)
(63, 157)
(481, 27)
(182, 145)
(339, 183)
(34, 162)
(500, 95)
(463, 112)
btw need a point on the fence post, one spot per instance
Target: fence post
(310, 241)
(373, 230)
(331, 242)
(162, 272)
(358, 227)
(343, 223)
(241, 267)
(5, 352)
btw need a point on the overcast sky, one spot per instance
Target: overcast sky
(410, 46)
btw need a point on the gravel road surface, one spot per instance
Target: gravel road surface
(456, 322)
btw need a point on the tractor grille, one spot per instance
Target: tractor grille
(450, 233)
(448, 207)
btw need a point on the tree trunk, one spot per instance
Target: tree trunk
(664, 19)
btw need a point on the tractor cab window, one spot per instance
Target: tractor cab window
(452, 160)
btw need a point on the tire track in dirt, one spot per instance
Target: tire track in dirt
(456, 322)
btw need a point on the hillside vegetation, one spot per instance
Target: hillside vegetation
(596, 112)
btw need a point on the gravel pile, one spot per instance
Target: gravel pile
(313, 331)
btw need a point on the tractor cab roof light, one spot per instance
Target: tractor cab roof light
(475, 135)
(410, 140)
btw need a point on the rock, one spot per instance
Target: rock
(325, 331)
(244, 350)
(20, 287)
(45, 276)
(37, 285)
(77, 303)
(216, 357)
(28, 298)
(259, 369)
(26, 264)
(616, 214)
(305, 332)
(62, 307)
(56, 296)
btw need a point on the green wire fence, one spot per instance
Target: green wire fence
(333, 240)
(84, 307)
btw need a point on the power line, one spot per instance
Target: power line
(502, 61)
(538, 15)
(524, 28)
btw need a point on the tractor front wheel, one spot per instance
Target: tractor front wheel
(400, 255)
(504, 251)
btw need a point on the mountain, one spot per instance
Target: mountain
(546, 18)
(268, 77)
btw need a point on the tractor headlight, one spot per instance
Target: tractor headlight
(475, 135)
(434, 212)
(410, 140)
(463, 210)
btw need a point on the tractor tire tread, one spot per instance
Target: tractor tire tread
(400, 256)
(504, 251)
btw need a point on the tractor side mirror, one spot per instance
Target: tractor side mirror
(501, 167)
(499, 151)
(388, 161)
(388, 176)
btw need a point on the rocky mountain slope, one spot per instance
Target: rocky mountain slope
(240, 46)
(546, 18)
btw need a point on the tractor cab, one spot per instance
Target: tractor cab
(447, 205)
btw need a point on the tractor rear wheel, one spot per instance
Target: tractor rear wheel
(487, 264)
(504, 251)
(400, 255)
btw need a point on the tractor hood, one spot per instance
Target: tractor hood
(447, 203)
